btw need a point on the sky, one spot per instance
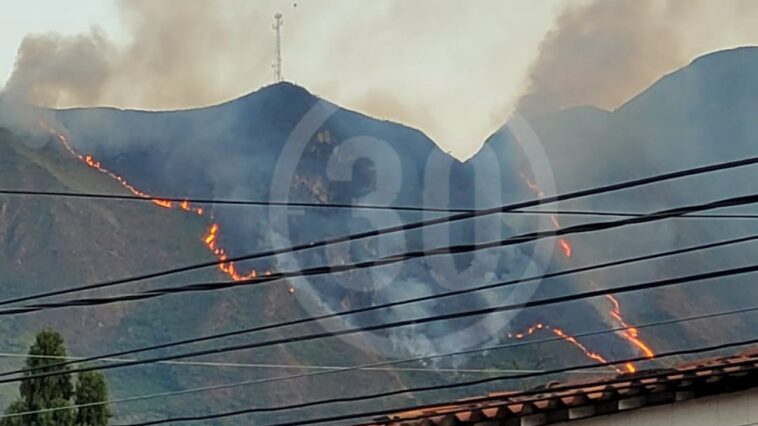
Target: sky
(455, 70)
(42, 16)
(406, 61)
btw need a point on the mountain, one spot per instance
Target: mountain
(229, 151)
(283, 142)
(49, 244)
(699, 115)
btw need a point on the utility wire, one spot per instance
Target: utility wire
(627, 214)
(628, 383)
(307, 320)
(404, 227)
(85, 195)
(387, 364)
(347, 399)
(387, 260)
(638, 381)
(411, 322)
(211, 201)
(271, 366)
(381, 417)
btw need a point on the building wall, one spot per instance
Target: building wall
(736, 409)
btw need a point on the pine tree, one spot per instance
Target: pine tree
(44, 392)
(56, 392)
(91, 388)
(16, 407)
(46, 351)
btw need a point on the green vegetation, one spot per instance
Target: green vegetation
(48, 243)
(57, 393)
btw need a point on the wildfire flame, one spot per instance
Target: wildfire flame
(566, 337)
(562, 242)
(210, 239)
(630, 334)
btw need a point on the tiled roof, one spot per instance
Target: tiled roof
(558, 402)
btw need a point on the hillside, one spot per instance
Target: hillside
(56, 243)
(230, 151)
(283, 142)
(699, 115)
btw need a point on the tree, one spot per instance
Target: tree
(55, 393)
(91, 388)
(16, 407)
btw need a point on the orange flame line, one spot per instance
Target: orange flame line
(563, 243)
(209, 239)
(568, 338)
(567, 249)
(631, 334)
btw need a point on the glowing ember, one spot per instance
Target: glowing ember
(563, 243)
(631, 334)
(532, 186)
(566, 337)
(211, 237)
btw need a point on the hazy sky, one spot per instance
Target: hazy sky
(405, 61)
(20, 18)
(452, 68)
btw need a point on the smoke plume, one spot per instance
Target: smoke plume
(180, 54)
(392, 59)
(602, 53)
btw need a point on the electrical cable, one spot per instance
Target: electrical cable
(411, 322)
(211, 201)
(387, 260)
(406, 301)
(123, 197)
(347, 399)
(404, 227)
(385, 364)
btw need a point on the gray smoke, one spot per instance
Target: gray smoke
(50, 69)
(173, 59)
(403, 63)
(602, 53)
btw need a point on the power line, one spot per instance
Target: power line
(626, 214)
(386, 364)
(408, 301)
(405, 227)
(635, 382)
(412, 322)
(79, 359)
(629, 385)
(234, 202)
(346, 399)
(388, 260)
(550, 394)
(228, 202)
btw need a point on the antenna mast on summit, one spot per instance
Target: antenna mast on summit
(277, 66)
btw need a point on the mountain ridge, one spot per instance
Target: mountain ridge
(230, 151)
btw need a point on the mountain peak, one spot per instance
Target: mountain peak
(727, 57)
(280, 90)
(714, 78)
